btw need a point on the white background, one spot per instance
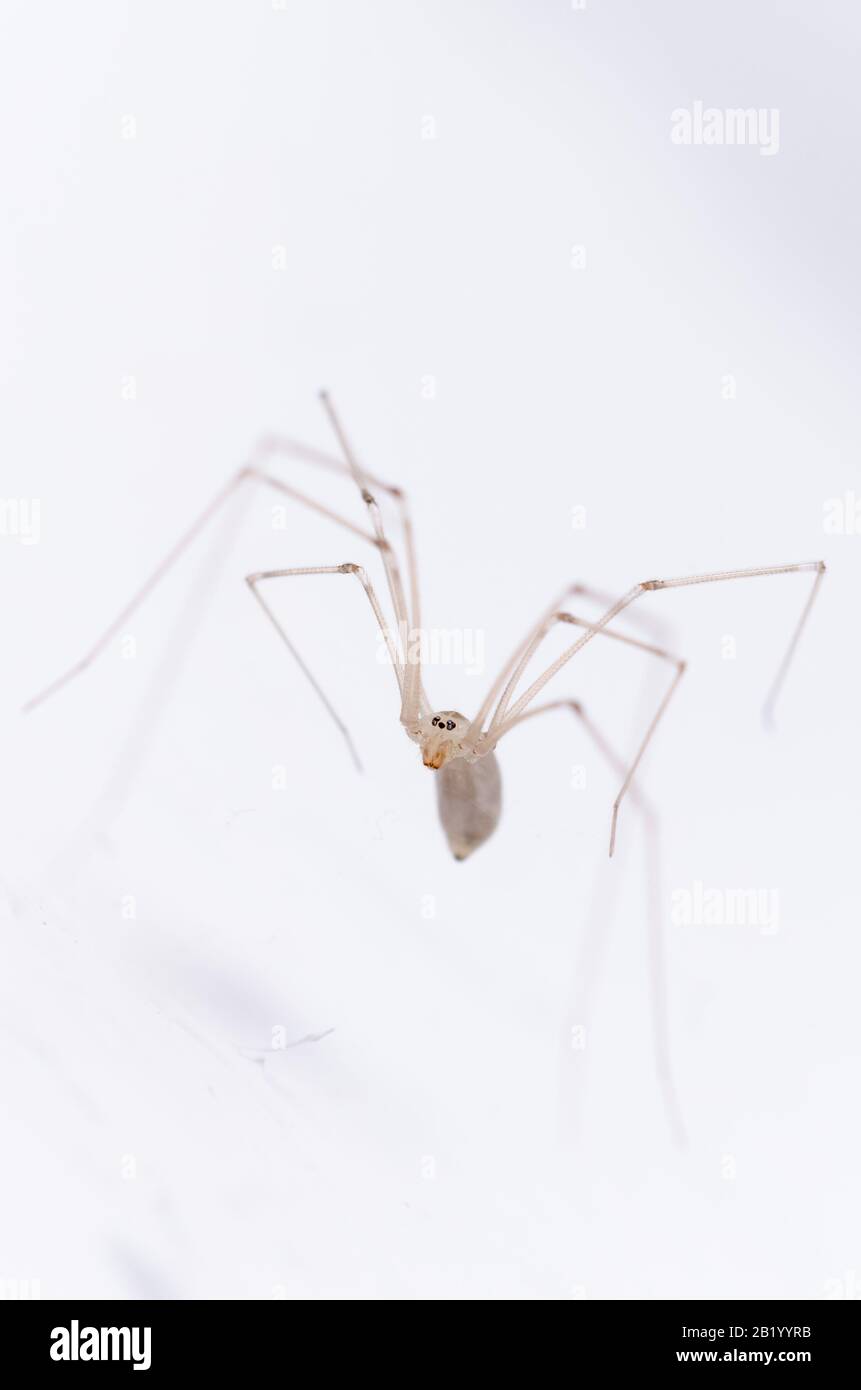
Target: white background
(445, 1139)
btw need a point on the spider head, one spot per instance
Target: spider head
(440, 737)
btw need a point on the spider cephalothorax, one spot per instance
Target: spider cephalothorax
(440, 737)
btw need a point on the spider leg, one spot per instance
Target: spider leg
(411, 692)
(506, 714)
(252, 580)
(254, 472)
(631, 642)
(506, 682)
(648, 586)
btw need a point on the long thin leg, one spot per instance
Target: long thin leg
(279, 444)
(657, 964)
(576, 708)
(505, 719)
(647, 619)
(529, 650)
(407, 622)
(252, 580)
(275, 445)
(631, 642)
(250, 471)
(777, 683)
(504, 685)
(475, 735)
(641, 750)
(192, 606)
(647, 586)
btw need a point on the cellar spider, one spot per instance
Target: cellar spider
(460, 750)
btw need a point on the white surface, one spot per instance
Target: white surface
(444, 1140)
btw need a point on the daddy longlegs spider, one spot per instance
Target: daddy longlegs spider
(459, 749)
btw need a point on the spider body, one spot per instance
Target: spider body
(469, 789)
(459, 750)
(469, 801)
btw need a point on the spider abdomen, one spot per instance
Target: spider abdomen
(469, 798)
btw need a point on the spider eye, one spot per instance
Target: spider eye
(450, 724)
(434, 720)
